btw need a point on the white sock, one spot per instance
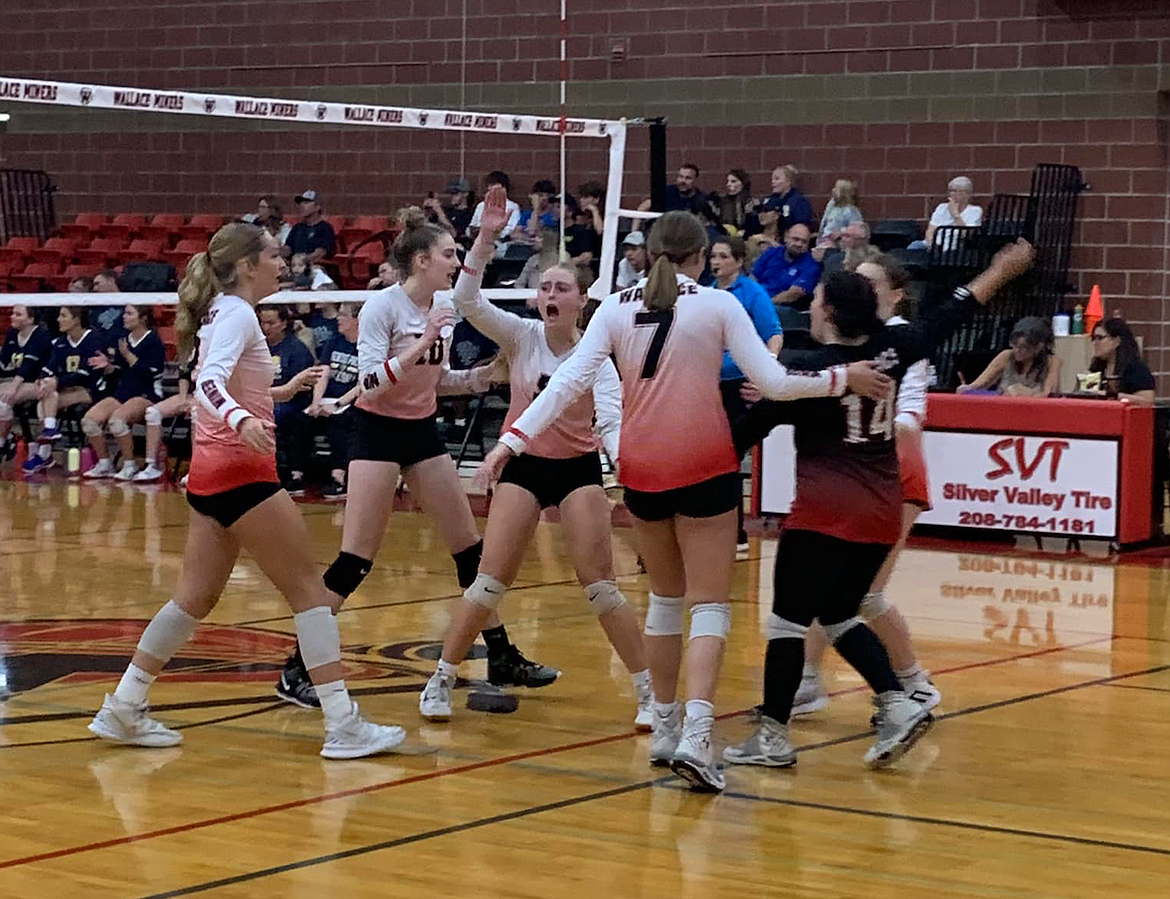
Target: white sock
(810, 671)
(50, 422)
(134, 685)
(447, 669)
(641, 678)
(45, 450)
(663, 709)
(335, 702)
(699, 708)
(914, 672)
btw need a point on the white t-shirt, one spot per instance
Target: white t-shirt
(970, 217)
(321, 280)
(513, 216)
(626, 276)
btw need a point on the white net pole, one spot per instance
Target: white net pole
(603, 286)
(564, 75)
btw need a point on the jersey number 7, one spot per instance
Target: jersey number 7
(661, 319)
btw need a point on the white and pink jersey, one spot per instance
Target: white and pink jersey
(389, 324)
(531, 364)
(674, 428)
(233, 380)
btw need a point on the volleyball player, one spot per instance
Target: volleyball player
(562, 468)
(404, 343)
(180, 403)
(25, 351)
(137, 363)
(237, 501)
(678, 464)
(67, 380)
(846, 459)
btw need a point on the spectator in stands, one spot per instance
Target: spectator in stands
(684, 193)
(790, 274)
(387, 276)
(546, 253)
(539, 215)
(1027, 368)
(957, 211)
(756, 246)
(455, 216)
(276, 225)
(795, 209)
(502, 179)
(293, 375)
(307, 276)
(766, 221)
(25, 352)
(1118, 361)
(67, 380)
(312, 235)
(262, 214)
(137, 365)
(335, 392)
(735, 209)
(81, 284)
(583, 236)
(840, 212)
(635, 260)
(106, 282)
(323, 321)
(107, 319)
(851, 248)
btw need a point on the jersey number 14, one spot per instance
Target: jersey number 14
(867, 420)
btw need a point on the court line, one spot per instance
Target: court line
(945, 822)
(407, 840)
(91, 739)
(604, 794)
(1140, 687)
(457, 769)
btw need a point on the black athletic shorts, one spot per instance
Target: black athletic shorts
(821, 576)
(551, 480)
(705, 499)
(230, 506)
(403, 441)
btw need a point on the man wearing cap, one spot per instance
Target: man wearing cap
(312, 235)
(632, 268)
(455, 215)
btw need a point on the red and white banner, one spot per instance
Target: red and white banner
(1045, 485)
(99, 96)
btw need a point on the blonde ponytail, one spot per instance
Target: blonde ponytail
(212, 272)
(196, 292)
(674, 238)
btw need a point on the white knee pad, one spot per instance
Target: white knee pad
(710, 619)
(486, 591)
(604, 597)
(836, 631)
(874, 605)
(168, 630)
(90, 428)
(6, 413)
(118, 427)
(318, 636)
(153, 416)
(664, 616)
(781, 628)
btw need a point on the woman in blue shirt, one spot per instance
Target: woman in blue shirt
(137, 362)
(727, 258)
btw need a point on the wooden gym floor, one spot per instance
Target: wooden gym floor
(1045, 776)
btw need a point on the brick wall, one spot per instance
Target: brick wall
(898, 94)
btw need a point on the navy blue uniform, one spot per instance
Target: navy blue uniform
(25, 360)
(324, 329)
(69, 362)
(141, 378)
(342, 358)
(289, 358)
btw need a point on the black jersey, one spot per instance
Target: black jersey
(847, 478)
(25, 359)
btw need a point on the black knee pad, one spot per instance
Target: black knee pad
(467, 563)
(346, 573)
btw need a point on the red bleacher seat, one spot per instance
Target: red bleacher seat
(183, 251)
(125, 226)
(357, 268)
(6, 269)
(103, 251)
(56, 251)
(337, 222)
(142, 249)
(18, 250)
(163, 227)
(169, 338)
(201, 227)
(82, 229)
(61, 282)
(363, 226)
(33, 278)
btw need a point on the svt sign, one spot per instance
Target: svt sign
(1012, 456)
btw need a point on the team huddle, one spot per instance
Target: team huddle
(641, 381)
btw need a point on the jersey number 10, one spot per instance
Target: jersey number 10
(433, 356)
(867, 420)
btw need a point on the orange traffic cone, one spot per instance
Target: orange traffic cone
(1095, 311)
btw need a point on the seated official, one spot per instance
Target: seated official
(1027, 368)
(1117, 368)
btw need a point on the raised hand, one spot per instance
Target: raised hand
(495, 213)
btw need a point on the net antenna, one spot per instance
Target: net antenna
(332, 114)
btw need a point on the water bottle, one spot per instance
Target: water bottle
(21, 452)
(73, 462)
(88, 459)
(1078, 319)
